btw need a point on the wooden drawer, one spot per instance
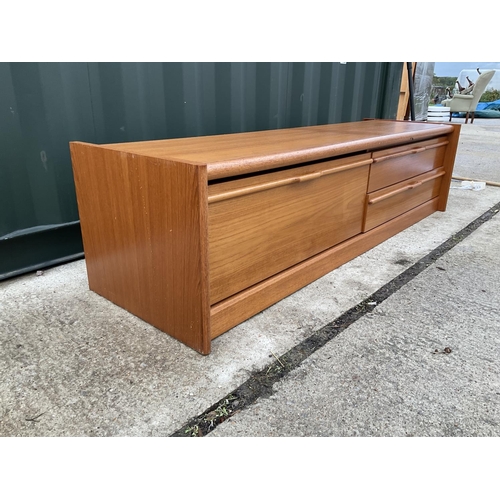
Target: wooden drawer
(394, 165)
(385, 204)
(263, 224)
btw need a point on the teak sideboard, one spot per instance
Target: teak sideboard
(196, 235)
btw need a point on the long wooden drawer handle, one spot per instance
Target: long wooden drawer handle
(310, 177)
(284, 182)
(407, 187)
(410, 152)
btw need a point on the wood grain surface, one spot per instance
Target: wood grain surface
(397, 164)
(236, 154)
(255, 236)
(144, 231)
(448, 164)
(232, 311)
(386, 204)
(196, 235)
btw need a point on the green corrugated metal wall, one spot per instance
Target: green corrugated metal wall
(43, 106)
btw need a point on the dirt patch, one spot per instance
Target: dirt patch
(260, 384)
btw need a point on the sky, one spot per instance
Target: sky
(454, 68)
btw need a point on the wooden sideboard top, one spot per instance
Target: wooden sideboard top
(234, 154)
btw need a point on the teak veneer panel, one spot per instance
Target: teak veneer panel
(385, 204)
(255, 236)
(196, 235)
(235, 154)
(397, 164)
(230, 312)
(144, 228)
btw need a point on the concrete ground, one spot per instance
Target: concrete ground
(421, 362)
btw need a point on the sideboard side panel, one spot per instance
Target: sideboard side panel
(144, 224)
(449, 163)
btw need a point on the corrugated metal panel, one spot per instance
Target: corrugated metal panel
(44, 106)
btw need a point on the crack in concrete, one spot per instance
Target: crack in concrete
(260, 384)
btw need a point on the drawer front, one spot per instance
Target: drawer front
(385, 204)
(394, 165)
(262, 225)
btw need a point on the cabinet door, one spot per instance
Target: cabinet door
(261, 225)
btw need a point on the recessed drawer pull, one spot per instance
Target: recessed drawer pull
(412, 185)
(284, 182)
(410, 152)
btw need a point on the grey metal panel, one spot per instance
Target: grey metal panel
(44, 106)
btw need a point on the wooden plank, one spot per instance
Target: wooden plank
(404, 93)
(232, 311)
(488, 183)
(144, 228)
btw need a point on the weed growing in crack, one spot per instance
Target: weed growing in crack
(193, 430)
